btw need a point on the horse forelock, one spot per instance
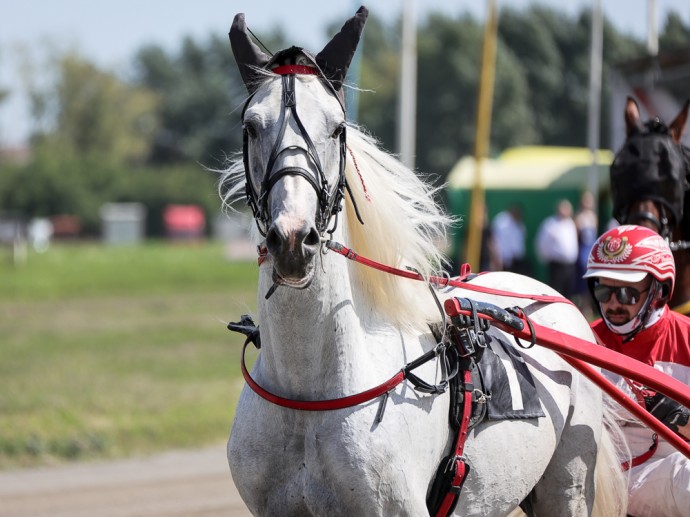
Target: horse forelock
(403, 227)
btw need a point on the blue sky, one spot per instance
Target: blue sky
(110, 32)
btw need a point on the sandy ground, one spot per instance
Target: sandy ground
(180, 483)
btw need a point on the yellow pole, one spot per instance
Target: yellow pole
(483, 125)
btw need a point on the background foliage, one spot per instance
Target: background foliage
(149, 137)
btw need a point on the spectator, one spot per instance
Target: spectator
(556, 245)
(489, 258)
(509, 236)
(586, 222)
(631, 273)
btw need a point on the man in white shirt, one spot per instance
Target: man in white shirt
(556, 245)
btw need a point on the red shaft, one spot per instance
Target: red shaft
(629, 404)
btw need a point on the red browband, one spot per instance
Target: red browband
(295, 69)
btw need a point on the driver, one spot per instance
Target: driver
(630, 274)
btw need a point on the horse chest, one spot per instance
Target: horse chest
(331, 463)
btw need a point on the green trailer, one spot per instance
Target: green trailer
(536, 177)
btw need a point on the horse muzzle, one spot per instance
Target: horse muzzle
(293, 248)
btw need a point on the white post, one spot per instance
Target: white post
(652, 29)
(407, 106)
(594, 112)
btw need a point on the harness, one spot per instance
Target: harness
(661, 223)
(577, 352)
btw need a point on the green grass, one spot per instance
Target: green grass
(108, 352)
(93, 270)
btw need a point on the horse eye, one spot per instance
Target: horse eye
(338, 131)
(250, 129)
(633, 149)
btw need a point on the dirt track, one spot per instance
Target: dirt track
(181, 483)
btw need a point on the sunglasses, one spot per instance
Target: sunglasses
(625, 295)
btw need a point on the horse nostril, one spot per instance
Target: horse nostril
(312, 238)
(273, 241)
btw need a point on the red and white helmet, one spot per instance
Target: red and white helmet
(630, 252)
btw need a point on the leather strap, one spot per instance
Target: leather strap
(461, 467)
(639, 460)
(320, 405)
(437, 280)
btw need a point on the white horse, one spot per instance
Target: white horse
(331, 328)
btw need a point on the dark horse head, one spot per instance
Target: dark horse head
(649, 184)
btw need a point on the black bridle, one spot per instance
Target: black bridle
(662, 223)
(329, 199)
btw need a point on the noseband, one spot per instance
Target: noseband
(330, 202)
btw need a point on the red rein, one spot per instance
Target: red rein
(438, 280)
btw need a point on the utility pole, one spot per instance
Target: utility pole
(407, 106)
(594, 112)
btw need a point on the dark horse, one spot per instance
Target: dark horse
(649, 184)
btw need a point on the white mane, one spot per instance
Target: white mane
(403, 227)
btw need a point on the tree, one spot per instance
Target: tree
(379, 78)
(201, 96)
(449, 70)
(675, 33)
(90, 111)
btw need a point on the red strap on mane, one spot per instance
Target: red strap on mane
(295, 69)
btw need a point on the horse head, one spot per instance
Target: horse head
(649, 175)
(649, 183)
(294, 144)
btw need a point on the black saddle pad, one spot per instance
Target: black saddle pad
(506, 378)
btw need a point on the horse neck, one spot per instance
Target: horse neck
(317, 342)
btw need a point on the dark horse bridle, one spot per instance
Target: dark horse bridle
(329, 200)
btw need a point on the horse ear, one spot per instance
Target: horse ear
(247, 54)
(632, 117)
(677, 127)
(335, 58)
